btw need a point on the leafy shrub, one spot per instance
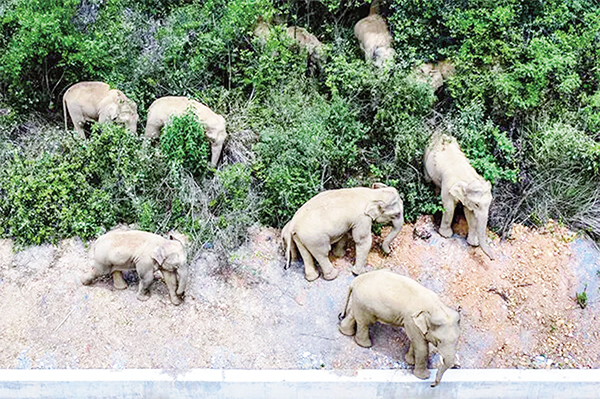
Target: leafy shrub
(184, 144)
(307, 145)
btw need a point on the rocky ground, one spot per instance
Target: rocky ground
(517, 311)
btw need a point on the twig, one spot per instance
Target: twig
(66, 317)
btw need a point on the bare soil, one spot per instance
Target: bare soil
(519, 310)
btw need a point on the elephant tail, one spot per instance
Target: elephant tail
(65, 111)
(342, 315)
(290, 246)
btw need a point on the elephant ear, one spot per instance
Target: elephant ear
(111, 111)
(159, 255)
(421, 320)
(458, 191)
(373, 209)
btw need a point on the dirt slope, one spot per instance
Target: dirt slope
(517, 311)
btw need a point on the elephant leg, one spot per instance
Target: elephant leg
(348, 324)
(118, 280)
(410, 355)
(363, 242)
(310, 271)
(339, 249)
(447, 216)
(472, 237)
(362, 337)
(146, 280)
(170, 279)
(98, 270)
(321, 254)
(421, 354)
(78, 125)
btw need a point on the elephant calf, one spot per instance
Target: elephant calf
(374, 38)
(435, 74)
(120, 250)
(214, 124)
(448, 167)
(390, 298)
(96, 101)
(329, 217)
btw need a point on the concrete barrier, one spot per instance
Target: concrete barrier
(313, 384)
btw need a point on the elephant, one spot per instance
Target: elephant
(302, 37)
(375, 39)
(448, 167)
(435, 73)
(96, 101)
(163, 108)
(390, 298)
(331, 217)
(120, 250)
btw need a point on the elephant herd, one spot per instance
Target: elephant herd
(331, 218)
(96, 101)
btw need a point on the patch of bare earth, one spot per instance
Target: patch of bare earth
(248, 312)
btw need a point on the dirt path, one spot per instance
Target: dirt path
(517, 311)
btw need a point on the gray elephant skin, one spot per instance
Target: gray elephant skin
(96, 101)
(332, 216)
(120, 250)
(214, 124)
(448, 167)
(387, 297)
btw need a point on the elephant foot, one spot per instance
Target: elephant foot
(357, 270)
(364, 342)
(348, 330)
(421, 373)
(445, 232)
(386, 248)
(118, 281)
(86, 279)
(311, 275)
(176, 301)
(143, 297)
(330, 275)
(473, 240)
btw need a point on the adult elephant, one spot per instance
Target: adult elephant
(96, 101)
(448, 167)
(390, 298)
(374, 38)
(214, 124)
(331, 216)
(120, 250)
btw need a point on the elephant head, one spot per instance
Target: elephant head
(476, 198)
(171, 257)
(386, 207)
(441, 328)
(116, 107)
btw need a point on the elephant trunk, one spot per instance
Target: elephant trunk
(182, 277)
(483, 239)
(396, 227)
(448, 353)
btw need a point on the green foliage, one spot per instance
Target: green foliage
(582, 298)
(308, 144)
(184, 144)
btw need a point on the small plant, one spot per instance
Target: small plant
(582, 298)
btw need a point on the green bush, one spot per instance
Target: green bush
(184, 144)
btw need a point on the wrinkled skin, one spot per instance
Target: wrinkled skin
(434, 74)
(96, 101)
(214, 124)
(333, 216)
(120, 250)
(387, 297)
(375, 39)
(448, 167)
